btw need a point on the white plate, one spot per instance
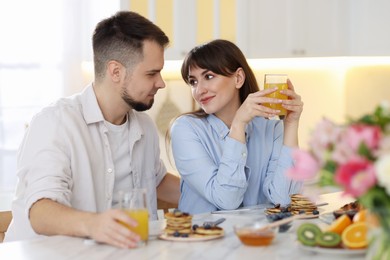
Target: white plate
(333, 251)
(328, 218)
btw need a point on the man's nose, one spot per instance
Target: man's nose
(161, 83)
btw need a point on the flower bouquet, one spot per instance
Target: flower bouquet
(356, 158)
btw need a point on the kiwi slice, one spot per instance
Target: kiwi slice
(307, 234)
(328, 239)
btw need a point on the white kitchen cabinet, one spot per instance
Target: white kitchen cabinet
(286, 28)
(369, 27)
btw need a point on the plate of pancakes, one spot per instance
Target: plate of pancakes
(299, 205)
(179, 228)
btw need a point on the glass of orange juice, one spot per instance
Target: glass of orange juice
(134, 203)
(279, 81)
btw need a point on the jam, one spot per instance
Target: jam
(257, 238)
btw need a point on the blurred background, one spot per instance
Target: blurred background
(336, 53)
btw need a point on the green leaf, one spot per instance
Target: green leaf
(363, 150)
(326, 178)
(377, 201)
(330, 166)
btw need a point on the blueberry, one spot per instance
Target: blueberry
(284, 228)
(273, 217)
(316, 212)
(302, 212)
(284, 210)
(184, 235)
(177, 213)
(176, 234)
(207, 226)
(194, 227)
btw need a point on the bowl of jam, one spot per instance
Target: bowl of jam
(255, 233)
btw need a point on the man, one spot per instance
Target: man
(81, 151)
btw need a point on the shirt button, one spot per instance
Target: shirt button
(244, 154)
(109, 170)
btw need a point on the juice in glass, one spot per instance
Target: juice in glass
(279, 81)
(142, 217)
(133, 202)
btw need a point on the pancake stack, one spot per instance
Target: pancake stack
(178, 222)
(301, 204)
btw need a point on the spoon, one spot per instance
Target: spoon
(287, 220)
(213, 223)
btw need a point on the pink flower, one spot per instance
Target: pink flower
(347, 147)
(343, 151)
(369, 135)
(384, 147)
(357, 176)
(305, 167)
(325, 136)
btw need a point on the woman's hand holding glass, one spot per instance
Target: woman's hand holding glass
(293, 104)
(253, 106)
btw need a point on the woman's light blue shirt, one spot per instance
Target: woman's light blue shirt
(219, 172)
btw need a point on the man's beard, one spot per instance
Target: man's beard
(138, 106)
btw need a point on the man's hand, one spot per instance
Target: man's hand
(106, 228)
(49, 218)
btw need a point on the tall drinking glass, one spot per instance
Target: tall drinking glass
(279, 81)
(134, 204)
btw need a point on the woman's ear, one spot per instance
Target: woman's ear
(240, 77)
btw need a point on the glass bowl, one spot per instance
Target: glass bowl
(255, 233)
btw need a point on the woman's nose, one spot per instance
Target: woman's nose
(201, 88)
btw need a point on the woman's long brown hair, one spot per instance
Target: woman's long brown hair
(221, 57)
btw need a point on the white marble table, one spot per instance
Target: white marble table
(228, 247)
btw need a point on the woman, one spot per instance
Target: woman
(228, 153)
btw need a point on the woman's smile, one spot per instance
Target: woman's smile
(206, 100)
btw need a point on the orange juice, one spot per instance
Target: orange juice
(142, 217)
(279, 81)
(277, 95)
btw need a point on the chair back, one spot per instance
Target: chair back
(5, 220)
(166, 206)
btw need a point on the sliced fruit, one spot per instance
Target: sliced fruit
(340, 224)
(307, 233)
(355, 235)
(372, 219)
(360, 216)
(328, 239)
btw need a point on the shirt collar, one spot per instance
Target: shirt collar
(91, 110)
(93, 114)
